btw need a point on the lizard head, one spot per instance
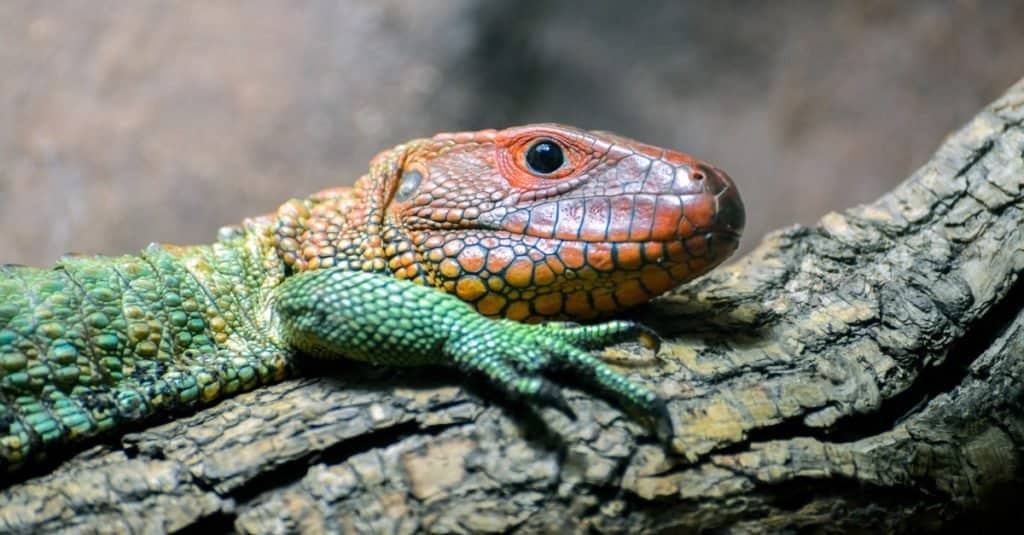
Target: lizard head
(534, 222)
(548, 221)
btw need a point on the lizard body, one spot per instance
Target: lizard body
(458, 249)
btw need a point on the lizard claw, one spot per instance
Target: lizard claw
(662, 421)
(550, 394)
(648, 338)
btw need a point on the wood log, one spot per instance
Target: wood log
(863, 374)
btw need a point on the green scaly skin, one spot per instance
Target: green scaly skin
(404, 269)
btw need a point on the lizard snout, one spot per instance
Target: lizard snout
(730, 217)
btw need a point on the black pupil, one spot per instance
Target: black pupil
(545, 157)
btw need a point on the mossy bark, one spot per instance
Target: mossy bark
(863, 374)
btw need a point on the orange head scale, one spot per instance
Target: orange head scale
(534, 222)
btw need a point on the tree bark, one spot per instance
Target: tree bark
(863, 374)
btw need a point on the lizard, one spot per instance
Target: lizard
(499, 252)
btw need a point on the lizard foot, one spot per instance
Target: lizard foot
(514, 356)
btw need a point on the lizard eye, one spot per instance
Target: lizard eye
(544, 157)
(407, 186)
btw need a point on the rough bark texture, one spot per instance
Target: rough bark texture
(863, 374)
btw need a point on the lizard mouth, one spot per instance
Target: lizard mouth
(636, 218)
(684, 259)
(579, 257)
(524, 277)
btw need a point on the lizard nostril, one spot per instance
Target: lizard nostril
(704, 171)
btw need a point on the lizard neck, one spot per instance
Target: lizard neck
(335, 228)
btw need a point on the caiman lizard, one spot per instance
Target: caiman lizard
(467, 249)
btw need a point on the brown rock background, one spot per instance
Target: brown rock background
(123, 123)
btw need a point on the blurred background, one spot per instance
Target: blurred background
(123, 123)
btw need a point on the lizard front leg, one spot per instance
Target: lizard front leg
(380, 319)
